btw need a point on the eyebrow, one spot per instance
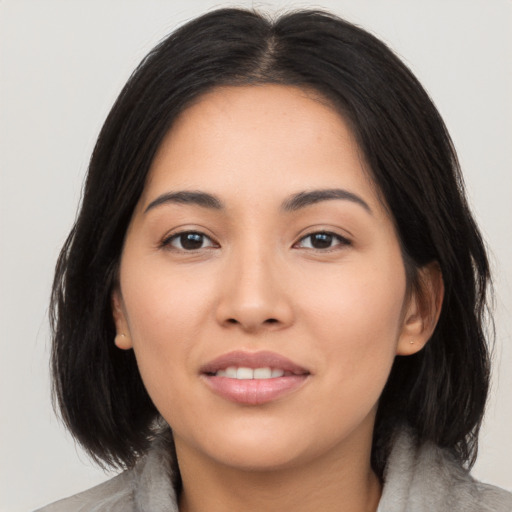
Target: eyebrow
(187, 197)
(291, 204)
(303, 199)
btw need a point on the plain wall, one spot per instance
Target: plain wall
(62, 64)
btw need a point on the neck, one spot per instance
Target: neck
(341, 481)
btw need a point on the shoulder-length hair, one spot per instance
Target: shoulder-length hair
(440, 392)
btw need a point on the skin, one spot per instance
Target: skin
(257, 283)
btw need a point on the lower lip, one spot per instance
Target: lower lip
(254, 391)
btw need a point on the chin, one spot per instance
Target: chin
(259, 458)
(259, 447)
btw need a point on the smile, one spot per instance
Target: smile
(244, 373)
(253, 378)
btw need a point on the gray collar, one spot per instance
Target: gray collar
(417, 479)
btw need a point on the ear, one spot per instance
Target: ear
(122, 339)
(422, 310)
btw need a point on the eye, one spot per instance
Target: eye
(322, 240)
(189, 241)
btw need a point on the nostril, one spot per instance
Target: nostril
(267, 321)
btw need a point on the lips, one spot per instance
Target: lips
(253, 360)
(253, 378)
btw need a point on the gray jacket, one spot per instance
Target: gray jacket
(424, 479)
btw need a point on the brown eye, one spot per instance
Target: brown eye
(189, 241)
(322, 240)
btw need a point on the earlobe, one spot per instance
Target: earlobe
(423, 310)
(123, 342)
(122, 339)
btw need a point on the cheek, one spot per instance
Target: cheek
(162, 303)
(165, 313)
(355, 317)
(357, 299)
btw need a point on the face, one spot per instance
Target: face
(262, 285)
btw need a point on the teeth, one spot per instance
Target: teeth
(243, 373)
(231, 372)
(262, 373)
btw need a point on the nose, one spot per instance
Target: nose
(254, 295)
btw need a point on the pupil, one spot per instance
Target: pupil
(191, 241)
(321, 240)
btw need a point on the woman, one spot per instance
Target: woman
(274, 261)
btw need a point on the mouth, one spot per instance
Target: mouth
(245, 373)
(253, 378)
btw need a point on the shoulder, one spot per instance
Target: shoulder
(427, 478)
(494, 499)
(147, 487)
(113, 495)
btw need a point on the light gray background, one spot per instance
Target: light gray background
(62, 63)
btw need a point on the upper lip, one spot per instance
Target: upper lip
(253, 360)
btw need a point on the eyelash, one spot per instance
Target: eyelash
(168, 242)
(342, 241)
(327, 235)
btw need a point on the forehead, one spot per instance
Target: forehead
(266, 138)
